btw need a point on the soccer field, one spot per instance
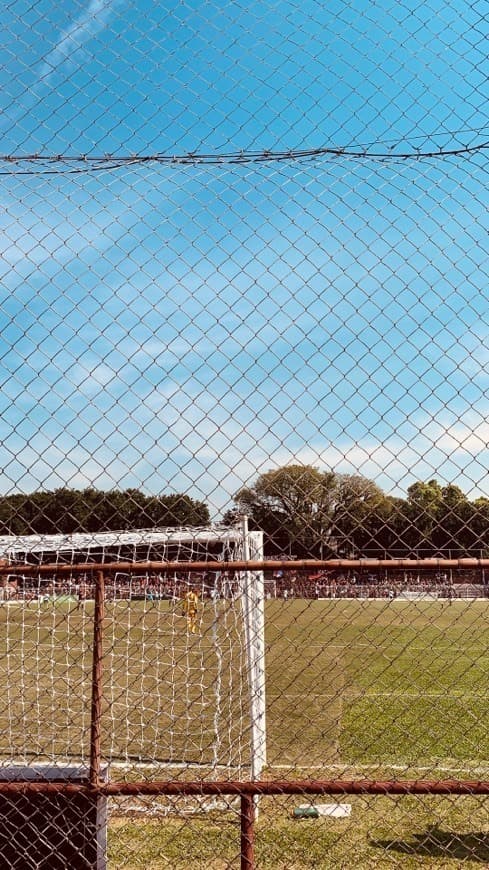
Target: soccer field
(360, 689)
(354, 689)
(348, 683)
(377, 683)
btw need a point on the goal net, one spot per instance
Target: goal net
(183, 684)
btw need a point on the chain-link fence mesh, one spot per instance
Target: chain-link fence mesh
(244, 316)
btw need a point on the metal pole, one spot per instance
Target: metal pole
(262, 787)
(246, 565)
(97, 689)
(247, 832)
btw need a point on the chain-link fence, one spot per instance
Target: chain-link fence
(244, 510)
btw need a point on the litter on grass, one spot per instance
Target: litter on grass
(334, 811)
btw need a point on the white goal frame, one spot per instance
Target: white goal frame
(247, 592)
(254, 615)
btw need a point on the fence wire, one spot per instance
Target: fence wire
(245, 319)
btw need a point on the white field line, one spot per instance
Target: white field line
(176, 765)
(483, 649)
(337, 766)
(427, 600)
(479, 769)
(343, 646)
(126, 766)
(396, 644)
(358, 693)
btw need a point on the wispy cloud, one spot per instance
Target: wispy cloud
(89, 23)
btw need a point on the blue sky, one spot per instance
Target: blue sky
(183, 328)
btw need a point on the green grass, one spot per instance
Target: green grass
(384, 833)
(379, 683)
(354, 689)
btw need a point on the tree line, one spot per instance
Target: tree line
(67, 511)
(319, 514)
(303, 511)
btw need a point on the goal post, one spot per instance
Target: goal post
(254, 620)
(200, 679)
(179, 699)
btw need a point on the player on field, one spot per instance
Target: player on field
(189, 609)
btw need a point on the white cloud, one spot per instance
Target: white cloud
(89, 23)
(464, 438)
(211, 462)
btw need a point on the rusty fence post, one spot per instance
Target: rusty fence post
(247, 832)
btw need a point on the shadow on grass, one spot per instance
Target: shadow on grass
(436, 843)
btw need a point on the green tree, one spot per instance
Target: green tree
(361, 516)
(454, 530)
(311, 513)
(424, 504)
(293, 505)
(480, 524)
(90, 510)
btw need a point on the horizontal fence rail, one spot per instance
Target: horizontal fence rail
(254, 788)
(300, 565)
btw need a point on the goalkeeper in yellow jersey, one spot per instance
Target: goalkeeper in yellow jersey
(189, 609)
